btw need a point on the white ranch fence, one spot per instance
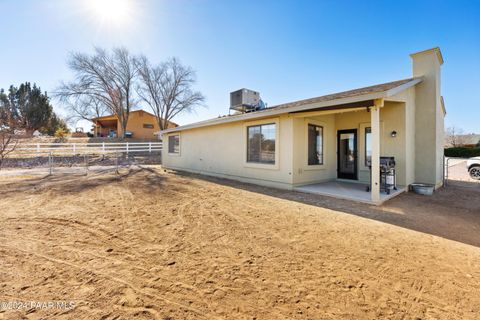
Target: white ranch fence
(74, 148)
(81, 157)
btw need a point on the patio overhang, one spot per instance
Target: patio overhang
(102, 126)
(353, 106)
(106, 123)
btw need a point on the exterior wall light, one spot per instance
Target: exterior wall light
(393, 134)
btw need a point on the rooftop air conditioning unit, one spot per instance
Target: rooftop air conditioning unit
(245, 100)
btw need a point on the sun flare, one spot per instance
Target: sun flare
(111, 11)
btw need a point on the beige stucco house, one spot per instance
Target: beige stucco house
(326, 144)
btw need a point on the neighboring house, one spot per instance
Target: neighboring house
(319, 144)
(141, 124)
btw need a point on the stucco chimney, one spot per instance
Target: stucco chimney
(429, 116)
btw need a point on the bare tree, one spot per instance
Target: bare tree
(455, 137)
(8, 143)
(85, 108)
(103, 79)
(8, 124)
(167, 89)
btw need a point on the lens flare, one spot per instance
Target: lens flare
(113, 12)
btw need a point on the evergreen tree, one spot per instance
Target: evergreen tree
(33, 107)
(26, 107)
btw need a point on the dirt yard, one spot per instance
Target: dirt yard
(156, 245)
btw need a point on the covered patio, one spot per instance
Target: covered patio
(347, 166)
(349, 191)
(106, 126)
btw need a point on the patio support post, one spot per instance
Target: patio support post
(375, 162)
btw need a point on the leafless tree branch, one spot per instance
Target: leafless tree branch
(455, 137)
(167, 89)
(103, 82)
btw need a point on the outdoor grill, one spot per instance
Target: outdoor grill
(388, 175)
(387, 163)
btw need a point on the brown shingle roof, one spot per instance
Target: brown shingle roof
(371, 92)
(345, 94)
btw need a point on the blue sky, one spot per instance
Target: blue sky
(287, 50)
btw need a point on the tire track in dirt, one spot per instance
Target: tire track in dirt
(54, 244)
(335, 264)
(110, 277)
(240, 225)
(125, 198)
(119, 243)
(89, 253)
(191, 217)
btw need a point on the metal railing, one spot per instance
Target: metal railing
(456, 172)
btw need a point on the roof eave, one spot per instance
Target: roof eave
(403, 87)
(315, 105)
(273, 112)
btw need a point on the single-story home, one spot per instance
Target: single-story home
(338, 144)
(141, 124)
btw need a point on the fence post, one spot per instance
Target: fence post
(445, 174)
(38, 149)
(74, 148)
(127, 148)
(150, 147)
(116, 162)
(86, 163)
(50, 163)
(103, 147)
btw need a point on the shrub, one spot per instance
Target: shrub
(462, 152)
(61, 134)
(54, 123)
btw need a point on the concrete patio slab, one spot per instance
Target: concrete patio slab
(348, 190)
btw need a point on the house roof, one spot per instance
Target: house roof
(114, 116)
(383, 90)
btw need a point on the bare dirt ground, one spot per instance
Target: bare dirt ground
(154, 245)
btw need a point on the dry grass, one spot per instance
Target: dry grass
(154, 245)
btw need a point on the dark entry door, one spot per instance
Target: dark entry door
(347, 154)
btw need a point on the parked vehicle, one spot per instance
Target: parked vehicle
(473, 167)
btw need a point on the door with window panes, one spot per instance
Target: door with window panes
(347, 154)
